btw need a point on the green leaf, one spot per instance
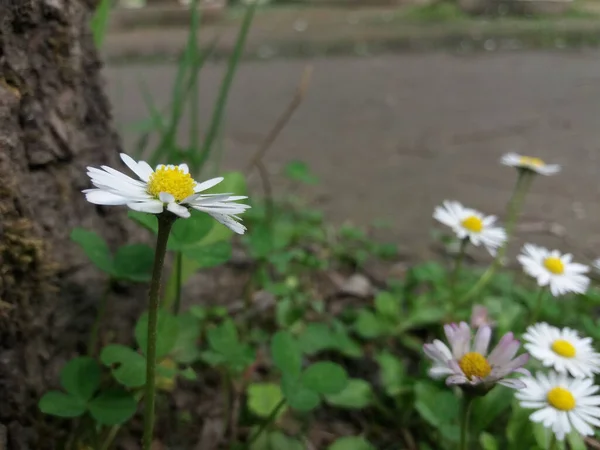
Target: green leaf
(438, 407)
(285, 353)
(325, 377)
(95, 249)
(99, 23)
(223, 337)
(357, 394)
(424, 316)
(188, 374)
(166, 332)
(315, 338)
(299, 171)
(134, 262)
(488, 442)
(128, 367)
(260, 241)
(279, 441)
(207, 256)
(113, 407)
(81, 377)
(185, 350)
(370, 326)
(519, 429)
(387, 305)
(392, 373)
(148, 221)
(60, 404)
(263, 398)
(487, 410)
(298, 396)
(351, 443)
(575, 441)
(226, 348)
(191, 231)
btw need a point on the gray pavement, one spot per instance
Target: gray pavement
(392, 136)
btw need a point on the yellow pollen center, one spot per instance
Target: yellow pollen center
(473, 224)
(474, 364)
(171, 180)
(532, 162)
(561, 399)
(554, 265)
(563, 348)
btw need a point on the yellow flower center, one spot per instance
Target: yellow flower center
(561, 399)
(473, 224)
(171, 180)
(532, 162)
(563, 348)
(554, 265)
(474, 364)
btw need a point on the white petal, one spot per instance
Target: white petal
(208, 184)
(179, 210)
(100, 197)
(152, 207)
(141, 169)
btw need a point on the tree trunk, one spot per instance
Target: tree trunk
(54, 121)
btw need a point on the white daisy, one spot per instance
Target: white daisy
(170, 187)
(562, 403)
(469, 364)
(553, 269)
(471, 224)
(562, 349)
(529, 163)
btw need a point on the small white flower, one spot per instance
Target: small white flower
(553, 269)
(168, 187)
(528, 163)
(469, 364)
(562, 403)
(471, 224)
(562, 349)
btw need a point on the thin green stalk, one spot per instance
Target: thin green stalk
(266, 423)
(93, 342)
(513, 209)
(552, 445)
(165, 222)
(178, 280)
(537, 306)
(457, 267)
(217, 116)
(464, 422)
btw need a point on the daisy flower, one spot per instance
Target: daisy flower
(562, 403)
(562, 349)
(550, 268)
(168, 187)
(529, 163)
(470, 224)
(469, 364)
(480, 317)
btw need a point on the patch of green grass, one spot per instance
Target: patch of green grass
(435, 12)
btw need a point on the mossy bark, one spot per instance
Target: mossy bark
(54, 121)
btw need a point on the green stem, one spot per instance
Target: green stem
(99, 319)
(457, 267)
(178, 280)
(552, 444)
(512, 214)
(464, 424)
(165, 222)
(266, 423)
(217, 116)
(537, 308)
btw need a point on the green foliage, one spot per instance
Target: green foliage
(300, 172)
(80, 378)
(127, 366)
(357, 394)
(263, 398)
(351, 443)
(100, 21)
(131, 262)
(167, 330)
(226, 349)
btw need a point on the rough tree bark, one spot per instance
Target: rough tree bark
(54, 121)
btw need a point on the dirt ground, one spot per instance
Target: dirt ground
(392, 136)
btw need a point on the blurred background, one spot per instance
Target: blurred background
(409, 102)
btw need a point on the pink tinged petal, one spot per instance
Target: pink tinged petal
(208, 184)
(504, 351)
(482, 340)
(152, 207)
(100, 197)
(141, 169)
(179, 210)
(456, 379)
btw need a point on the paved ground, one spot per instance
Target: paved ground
(391, 137)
